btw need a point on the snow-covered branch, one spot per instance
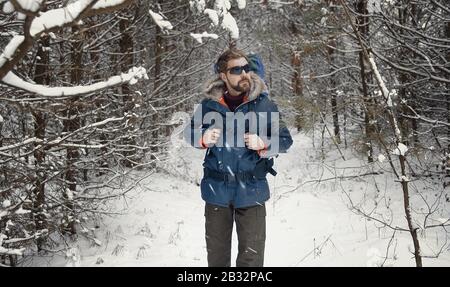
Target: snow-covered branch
(17, 145)
(131, 77)
(47, 22)
(27, 7)
(58, 141)
(11, 251)
(10, 49)
(163, 24)
(60, 17)
(199, 37)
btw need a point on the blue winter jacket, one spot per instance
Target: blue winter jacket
(230, 157)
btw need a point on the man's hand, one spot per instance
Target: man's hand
(254, 142)
(210, 137)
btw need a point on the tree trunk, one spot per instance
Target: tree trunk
(407, 14)
(71, 124)
(407, 207)
(155, 117)
(413, 103)
(103, 163)
(363, 28)
(334, 103)
(447, 34)
(403, 174)
(41, 77)
(126, 49)
(5, 174)
(403, 79)
(297, 88)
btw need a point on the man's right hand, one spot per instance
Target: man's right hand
(210, 137)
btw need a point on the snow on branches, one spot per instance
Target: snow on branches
(130, 77)
(163, 24)
(39, 23)
(221, 10)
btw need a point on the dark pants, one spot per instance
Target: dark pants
(251, 231)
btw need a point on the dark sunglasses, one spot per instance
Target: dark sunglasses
(238, 69)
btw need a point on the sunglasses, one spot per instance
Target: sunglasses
(237, 70)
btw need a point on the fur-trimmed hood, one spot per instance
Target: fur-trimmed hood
(214, 88)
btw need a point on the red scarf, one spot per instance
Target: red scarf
(233, 101)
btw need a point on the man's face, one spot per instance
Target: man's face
(236, 83)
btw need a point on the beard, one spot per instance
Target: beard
(242, 86)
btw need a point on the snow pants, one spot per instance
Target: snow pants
(251, 233)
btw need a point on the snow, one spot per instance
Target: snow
(385, 91)
(199, 37)
(443, 220)
(30, 5)
(73, 256)
(10, 49)
(21, 16)
(22, 211)
(163, 24)
(229, 170)
(229, 23)
(3, 213)
(400, 150)
(8, 8)
(374, 6)
(101, 4)
(381, 158)
(309, 223)
(69, 194)
(404, 178)
(222, 6)
(198, 5)
(131, 77)
(241, 4)
(374, 256)
(212, 188)
(213, 16)
(7, 251)
(58, 17)
(6, 203)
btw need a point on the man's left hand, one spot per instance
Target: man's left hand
(254, 142)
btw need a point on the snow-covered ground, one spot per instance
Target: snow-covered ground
(309, 222)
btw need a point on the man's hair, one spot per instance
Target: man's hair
(228, 55)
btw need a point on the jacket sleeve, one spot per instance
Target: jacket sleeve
(276, 130)
(195, 128)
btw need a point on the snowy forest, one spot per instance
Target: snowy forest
(94, 170)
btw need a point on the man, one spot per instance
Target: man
(237, 160)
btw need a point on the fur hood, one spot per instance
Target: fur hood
(214, 88)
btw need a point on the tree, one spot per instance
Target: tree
(83, 132)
